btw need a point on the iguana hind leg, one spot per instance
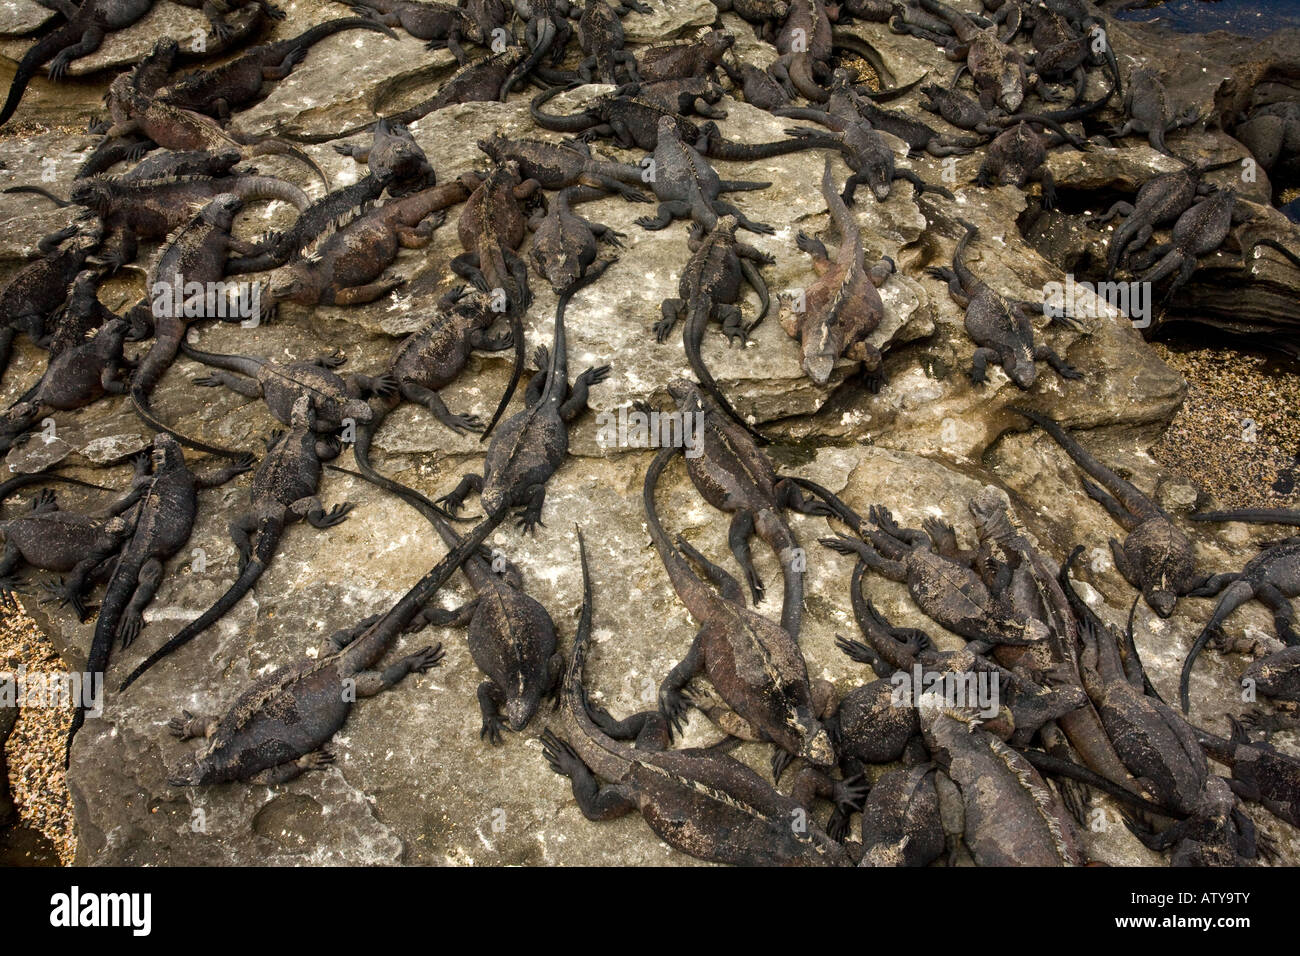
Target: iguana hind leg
(596, 801)
(370, 683)
(738, 535)
(316, 760)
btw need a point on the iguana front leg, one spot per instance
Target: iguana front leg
(434, 403)
(673, 699)
(1283, 615)
(1061, 367)
(738, 535)
(188, 726)
(91, 40)
(455, 500)
(316, 760)
(443, 617)
(248, 387)
(576, 403)
(596, 802)
(361, 294)
(220, 476)
(146, 585)
(490, 702)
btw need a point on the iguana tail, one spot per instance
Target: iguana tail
(1234, 596)
(1132, 499)
(268, 538)
(545, 41)
(574, 123)
(250, 188)
(1274, 244)
(41, 53)
(18, 482)
(309, 38)
(958, 257)
(711, 386)
(37, 190)
(780, 536)
(140, 402)
(719, 148)
(278, 147)
(1251, 515)
(361, 454)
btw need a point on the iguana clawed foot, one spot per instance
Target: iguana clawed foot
(335, 515)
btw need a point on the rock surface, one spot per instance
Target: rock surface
(413, 783)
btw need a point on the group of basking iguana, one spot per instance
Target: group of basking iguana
(1076, 707)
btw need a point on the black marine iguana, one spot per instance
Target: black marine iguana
(279, 727)
(702, 802)
(1156, 557)
(223, 89)
(162, 520)
(395, 158)
(284, 490)
(567, 164)
(1200, 230)
(708, 288)
(528, 448)
(734, 476)
(1001, 329)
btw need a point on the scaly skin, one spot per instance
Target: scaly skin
(1272, 577)
(841, 307)
(901, 825)
(734, 476)
(528, 448)
(600, 34)
(708, 289)
(700, 802)
(162, 519)
(1156, 557)
(33, 295)
(441, 24)
(280, 726)
(345, 267)
(804, 45)
(491, 229)
(284, 490)
(561, 165)
(1011, 816)
(1199, 231)
(223, 89)
(753, 664)
(1146, 104)
(1260, 773)
(85, 28)
(700, 57)
(1001, 329)
(394, 158)
(75, 377)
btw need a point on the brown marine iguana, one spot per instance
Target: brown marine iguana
(753, 664)
(702, 802)
(841, 307)
(284, 490)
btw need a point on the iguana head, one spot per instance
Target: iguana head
(286, 284)
(492, 146)
(220, 212)
(166, 453)
(686, 394)
(1160, 599)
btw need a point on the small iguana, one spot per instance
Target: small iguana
(491, 228)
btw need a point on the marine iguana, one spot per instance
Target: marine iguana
(765, 16)
(1156, 557)
(901, 823)
(708, 289)
(1016, 156)
(162, 521)
(511, 637)
(564, 245)
(1011, 817)
(1260, 773)
(1001, 329)
(220, 90)
(546, 31)
(1159, 202)
(754, 664)
(948, 591)
(49, 539)
(215, 13)
(75, 377)
(279, 727)
(999, 72)
(734, 476)
(441, 24)
(600, 35)
(692, 95)
(1200, 230)
(1146, 104)
(702, 802)
(681, 174)
(318, 217)
(284, 490)
(29, 300)
(394, 158)
(491, 228)
(841, 307)
(134, 207)
(700, 57)
(918, 136)
(334, 399)
(567, 164)
(174, 128)
(83, 30)
(1273, 578)
(345, 266)
(804, 47)
(528, 448)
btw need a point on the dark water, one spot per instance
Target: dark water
(1251, 18)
